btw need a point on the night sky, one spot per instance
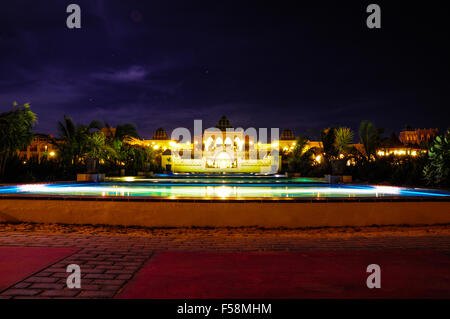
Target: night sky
(263, 64)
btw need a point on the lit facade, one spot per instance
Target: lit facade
(219, 150)
(397, 150)
(417, 136)
(224, 150)
(41, 146)
(400, 151)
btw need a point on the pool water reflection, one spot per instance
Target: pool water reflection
(219, 188)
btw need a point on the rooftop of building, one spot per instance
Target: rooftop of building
(160, 134)
(223, 124)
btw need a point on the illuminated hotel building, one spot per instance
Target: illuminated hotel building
(417, 136)
(224, 150)
(41, 146)
(219, 149)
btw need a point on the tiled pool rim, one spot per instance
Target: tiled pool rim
(159, 213)
(228, 200)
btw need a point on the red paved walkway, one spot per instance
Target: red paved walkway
(181, 275)
(109, 262)
(18, 263)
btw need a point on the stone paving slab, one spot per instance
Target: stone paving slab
(109, 262)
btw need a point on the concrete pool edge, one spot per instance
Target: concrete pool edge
(226, 213)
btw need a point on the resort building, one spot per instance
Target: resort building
(417, 136)
(159, 142)
(394, 147)
(223, 149)
(220, 149)
(287, 141)
(400, 151)
(42, 145)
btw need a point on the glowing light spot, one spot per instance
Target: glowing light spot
(223, 191)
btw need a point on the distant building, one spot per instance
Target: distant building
(218, 149)
(160, 135)
(41, 145)
(393, 147)
(287, 141)
(417, 136)
(221, 149)
(159, 142)
(287, 135)
(108, 131)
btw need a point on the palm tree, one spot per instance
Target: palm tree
(343, 140)
(301, 160)
(370, 138)
(340, 149)
(76, 138)
(66, 128)
(122, 131)
(126, 130)
(328, 138)
(437, 170)
(15, 132)
(95, 125)
(70, 147)
(116, 137)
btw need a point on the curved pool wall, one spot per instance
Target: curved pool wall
(228, 201)
(219, 189)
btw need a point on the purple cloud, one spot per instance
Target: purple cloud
(131, 74)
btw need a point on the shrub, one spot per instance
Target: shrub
(437, 171)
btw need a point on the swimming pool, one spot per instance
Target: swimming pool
(225, 187)
(227, 201)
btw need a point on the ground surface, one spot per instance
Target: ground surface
(110, 256)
